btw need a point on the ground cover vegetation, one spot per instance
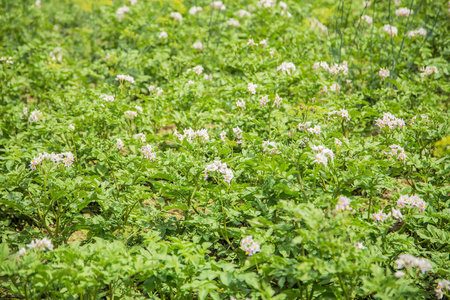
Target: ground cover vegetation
(224, 150)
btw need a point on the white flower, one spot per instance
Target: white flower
(391, 30)
(25, 111)
(132, 2)
(252, 88)
(404, 12)
(391, 121)
(194, 10)
(283, 5)
(243, 13)
(428, 71)
(121, 12)
(286, 67)
(264, 100)
(278, 100)
(408, 261)
(159, 91)
(141, 136)
(251, 42)
(147, 151)
(397, 214)
(107, 98)
(263, 43)
(399, 274)
(139, 109)
(249, 246)
(343, 202)
(198, 70)
(380, 216)
(359, 245)
(233, 22)
(366, 3)
(41, 245)
(316, 23)
(218, 5)
(38, 3)
(267, 3)
(223, 135)
(22, 252)
(198, 46)
(130, 114)
(71, 127)
(321, 159)
(315, 130)
(151, 88)
(302, 127)
(207, 77)
(384, 73)
(176, 16)
(272, 52)
(335, 87)
(35, 116)
(120, 144)
(163, 35)
(123, 78)
(337, 142)
(240, 103)
(367, 19)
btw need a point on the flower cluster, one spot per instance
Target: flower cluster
(343, 204)
(176, 16)
(233, 22)
(419, 31)
(240, 103)
(250, 246)
(268, 145)
(141, 136)
(8, 60)
(321, 155)
(342, 113)
(238, 132)
(408, 261)
(368, 19)
(391, 121)
(123, 78)
(391, 30)
(252, 88)
(131, 114)
(121, 12)
(39, 245)
(194, 10)
(316, 23)
(442, 285)
(221, 168)
(120, 144)
(314, 130)
(35, 116)
(343, 67)
(397, 151)
(198, 70)
(147, 151)
(107, 98)
(380, 216)
(414, 201)
(384, 73)
(267, 3)
(428, 71)
(286, 67)
(190, 134)
(218, 5)
(66, 157)
(302, 127)
(404, 12)
(243, 13)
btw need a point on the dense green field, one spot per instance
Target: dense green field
(185, 149)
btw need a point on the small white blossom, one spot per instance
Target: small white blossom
(121, 12)
(176, 16)
(123, 78)
(194, 10)
(41, 245)
(35, 116)
(198, 46)
(120, 144)
(163, 35)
